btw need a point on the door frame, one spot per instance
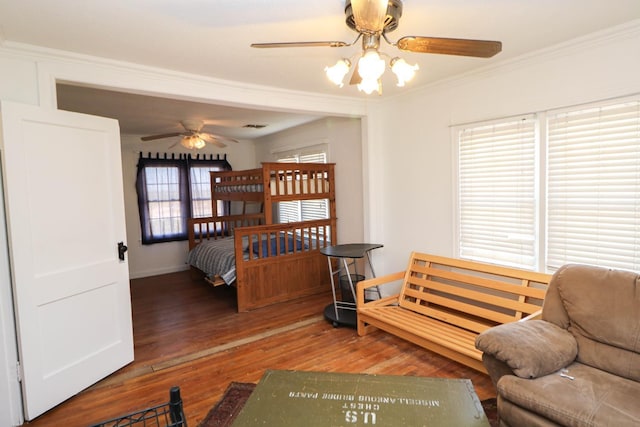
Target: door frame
(10, 391)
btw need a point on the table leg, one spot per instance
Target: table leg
(346, 269)
(333, 287)
(373, 273)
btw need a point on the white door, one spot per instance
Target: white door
(65, 216)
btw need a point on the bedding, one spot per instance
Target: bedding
(281, 187)
(240, 188)
(215, 257)
(272, 244)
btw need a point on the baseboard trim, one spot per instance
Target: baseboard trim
(157, 272)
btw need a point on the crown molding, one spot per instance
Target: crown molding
(627, 31)
(64, 66)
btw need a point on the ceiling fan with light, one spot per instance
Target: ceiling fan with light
(192, 136)
(372, 20)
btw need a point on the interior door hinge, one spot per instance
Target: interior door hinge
(19, 372)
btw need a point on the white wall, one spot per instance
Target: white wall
(160, 258)
(344, 139)
(413, 147)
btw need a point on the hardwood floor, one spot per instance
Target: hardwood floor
(188, 334)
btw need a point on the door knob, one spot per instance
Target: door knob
(122, 248)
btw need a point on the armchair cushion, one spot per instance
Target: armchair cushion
(593, 398)
(531, 349)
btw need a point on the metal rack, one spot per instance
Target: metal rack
(169, 414)
(343, 311)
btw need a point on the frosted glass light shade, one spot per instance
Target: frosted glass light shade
(369, 15)
(193, 142)
(369, 85)
(370, 65)
(403, 71)
(337, 72)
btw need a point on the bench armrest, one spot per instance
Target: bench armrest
(377, 281)
(536, 315)
(531, 349)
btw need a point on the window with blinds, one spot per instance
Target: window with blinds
(593, 189)
(558, 187)
(497, 192)
(303, 210)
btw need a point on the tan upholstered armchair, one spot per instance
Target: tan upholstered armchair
(580, 364)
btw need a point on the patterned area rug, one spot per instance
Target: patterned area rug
(226, 410)
(234, 398)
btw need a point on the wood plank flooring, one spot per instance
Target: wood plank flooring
(188, 334)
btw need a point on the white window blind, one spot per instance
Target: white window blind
(497, 192)
(289, 211)
(314, 209)
(303, 210)
(594, 186)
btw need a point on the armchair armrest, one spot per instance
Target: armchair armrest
(377, 281)
(531, 349)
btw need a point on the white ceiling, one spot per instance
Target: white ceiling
(148, 115)
(212, 38)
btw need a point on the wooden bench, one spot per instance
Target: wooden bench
(444, 303)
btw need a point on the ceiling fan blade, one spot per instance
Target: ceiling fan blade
(445, 46)
(369, 15)
(356, 79)
(206, 135)
(164, 135)
(301, 44)
(215, 139)
(218, 143)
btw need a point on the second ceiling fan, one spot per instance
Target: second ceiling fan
(372, 20)
(193, 137)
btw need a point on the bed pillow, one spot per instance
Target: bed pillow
(270, 247)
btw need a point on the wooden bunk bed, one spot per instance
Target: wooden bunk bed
(272, 262)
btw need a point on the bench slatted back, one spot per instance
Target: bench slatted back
(468, 294)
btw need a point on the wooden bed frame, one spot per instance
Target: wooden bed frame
(292, 272)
